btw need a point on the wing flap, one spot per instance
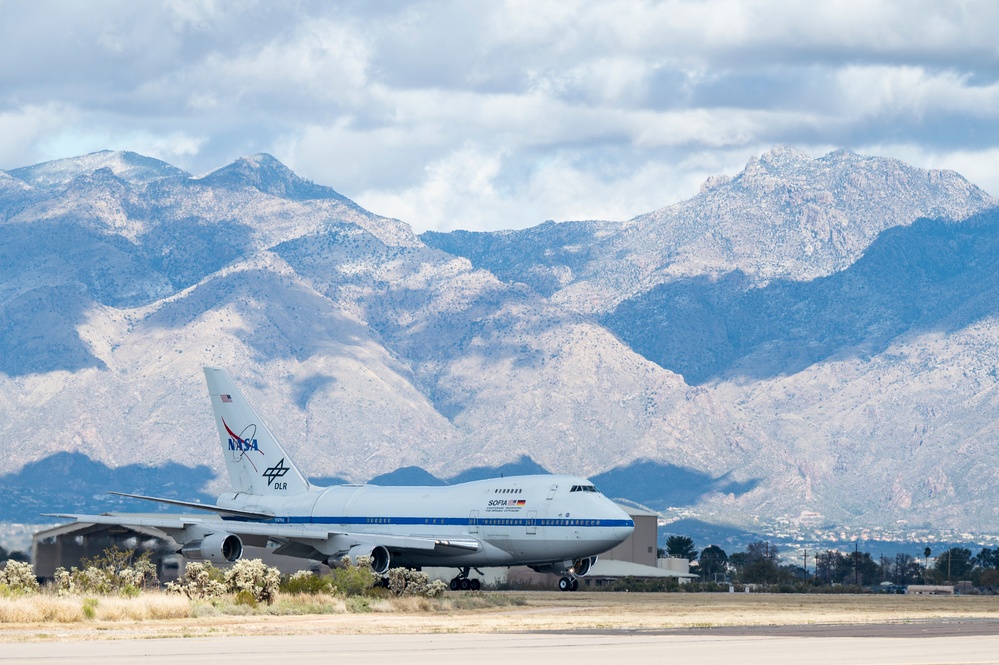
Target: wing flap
(211, 524)
(311, 537)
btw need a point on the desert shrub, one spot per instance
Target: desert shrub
(200, 581)
(246, 597)
(250, 580)
(353, 580)
(358, 604)
(18, 577)
(407, 582)
(115, 571)
(261, 581)
(307, 582)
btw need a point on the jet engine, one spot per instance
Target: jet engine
(380, 557)
(218, 547)
(577, 568)
(582, 566)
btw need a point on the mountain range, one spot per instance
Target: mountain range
(809, 341)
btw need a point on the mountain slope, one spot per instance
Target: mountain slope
(370, 351)
(932, 276)
(790, 340)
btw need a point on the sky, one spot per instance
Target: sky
(502, 114)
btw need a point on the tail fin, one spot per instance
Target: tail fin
(256, 462)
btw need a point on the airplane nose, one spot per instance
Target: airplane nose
(622, 533)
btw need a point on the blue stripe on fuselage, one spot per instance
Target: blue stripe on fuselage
(448, 521)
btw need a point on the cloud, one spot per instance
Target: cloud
(505, 113)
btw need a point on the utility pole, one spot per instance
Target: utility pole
(856, 563)
(766, 549)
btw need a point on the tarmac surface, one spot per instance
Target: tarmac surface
(929, 643)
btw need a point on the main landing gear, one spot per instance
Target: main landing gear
(568, 584)
(461, 582)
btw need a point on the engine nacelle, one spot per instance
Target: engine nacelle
(581, 567)
(380, 557)
(577, 568)
(217, 547)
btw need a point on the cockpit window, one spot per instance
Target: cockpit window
(583, 488)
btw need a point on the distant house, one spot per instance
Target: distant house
(929, 590)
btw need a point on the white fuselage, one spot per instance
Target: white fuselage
(520, 520)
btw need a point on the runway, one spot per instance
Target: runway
(517, 649)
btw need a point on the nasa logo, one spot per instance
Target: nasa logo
(241, 444)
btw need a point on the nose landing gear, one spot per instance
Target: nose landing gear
(568, 584)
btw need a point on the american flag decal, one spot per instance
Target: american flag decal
(226, 398)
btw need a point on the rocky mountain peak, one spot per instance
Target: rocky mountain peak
(129, 166)
(268, 175)
(783, 157)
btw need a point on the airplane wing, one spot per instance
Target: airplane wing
(257, 533)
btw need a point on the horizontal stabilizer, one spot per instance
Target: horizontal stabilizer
(231, 512)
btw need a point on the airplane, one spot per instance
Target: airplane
(551, 523)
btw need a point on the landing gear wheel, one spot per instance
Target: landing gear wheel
(564, 584)
(474, 584)
(465, 584)
(575, 585)
(455, 584)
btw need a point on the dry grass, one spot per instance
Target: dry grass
(45, 608)
(147, 607)
(410, 604)
(162, 615)
(40, 608)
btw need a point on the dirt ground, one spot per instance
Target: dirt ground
(554, 611)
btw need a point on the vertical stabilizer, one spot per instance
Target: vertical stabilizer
(256, 462)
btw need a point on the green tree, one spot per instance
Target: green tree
(827, 567)
(865, 569)
(760, 563)
(906, 570)
(954, 564)
(713, 561)
(14, 555)
(987, 558)
(681, 546)
(989, 577)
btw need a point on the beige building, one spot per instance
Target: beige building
(635, 557)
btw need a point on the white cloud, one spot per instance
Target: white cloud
(24, 130)
(468, 190)
(913, 92)
(499, 114)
